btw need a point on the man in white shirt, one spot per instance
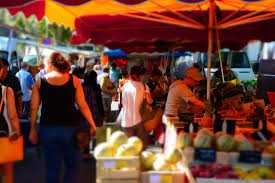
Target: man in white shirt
(133, 94)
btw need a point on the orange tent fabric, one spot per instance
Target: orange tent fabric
(104, 60)
(66, 11)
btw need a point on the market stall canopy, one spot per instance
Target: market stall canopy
(115, 54)
(167, 46)
(66, 11)
(100, 29)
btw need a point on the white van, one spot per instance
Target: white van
(237, 60)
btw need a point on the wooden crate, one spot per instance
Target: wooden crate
(117, 181)
(221, 157)
(212, 180)
(116, 168)
(163, 177)
(261, 181)
(266, 159)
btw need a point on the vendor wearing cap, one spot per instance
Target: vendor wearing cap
(180, 94)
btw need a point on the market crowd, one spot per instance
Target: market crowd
(70, 102)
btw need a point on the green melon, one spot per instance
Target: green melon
(245, 146)
(218, 134)
(240, 139)
(204, 141)
(184, 140)
(225, 143)
(205, 132)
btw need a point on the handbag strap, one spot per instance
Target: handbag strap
(2, 99)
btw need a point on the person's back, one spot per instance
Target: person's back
(93, 98)
(58, 94)
(24, 78)
(59, 122)
(132, 97)
(115, 72)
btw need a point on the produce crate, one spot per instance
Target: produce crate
(261, 181)
(212, 180)
(244, 124)
(266, 159)
(221, 157)
(116, 169)
(163, 177)
(118, 181)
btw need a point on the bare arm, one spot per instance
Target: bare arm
(12, 114)
(19, 107)
(197, 102)
(149, 98)
(148, 95)
(35, 102)
(82, 104)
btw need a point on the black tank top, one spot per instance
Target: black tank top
(58, 104)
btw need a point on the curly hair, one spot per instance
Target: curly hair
(58, 61)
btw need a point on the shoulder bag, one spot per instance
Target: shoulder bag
(11, 148)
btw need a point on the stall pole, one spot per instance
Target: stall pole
(172, 65)
(210, 45)
(219, 48)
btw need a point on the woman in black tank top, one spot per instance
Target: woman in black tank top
(58, 92)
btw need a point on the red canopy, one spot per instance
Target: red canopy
(166, 46)
(100, 29)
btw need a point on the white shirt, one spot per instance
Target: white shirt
(133, 95)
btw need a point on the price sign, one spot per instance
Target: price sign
(155, 178)
(250, 157)
(166, 179)
(109, 164)
(121, 164)
(205, 154)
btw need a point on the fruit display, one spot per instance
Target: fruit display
(204, 141)
(161, 162)
(255, 173)
(220, 141)
(147, 160)
(213, 170)
(118, 138)
(184, 140)
(119, 145)
(225, 143)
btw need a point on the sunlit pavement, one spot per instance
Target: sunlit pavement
(32, 169)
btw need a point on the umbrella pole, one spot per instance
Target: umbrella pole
(172, 65)
(210, 45)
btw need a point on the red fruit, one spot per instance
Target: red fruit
(214, 167)
(218, 176)
(226, 167)
(205, 174)
(195, 173)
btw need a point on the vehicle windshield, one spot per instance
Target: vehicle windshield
(215, 61)
(30, 59)
(4, 54)
(239, 60)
